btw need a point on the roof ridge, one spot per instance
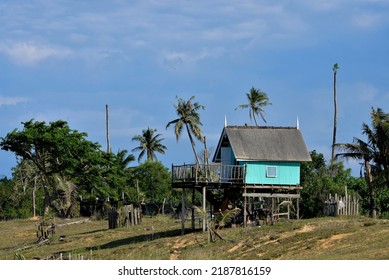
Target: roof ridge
(260, 127)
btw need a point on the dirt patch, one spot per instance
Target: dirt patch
(306, 228)
(178, 246)
(333, 240)
(236, 247)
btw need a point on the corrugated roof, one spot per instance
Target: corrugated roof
(265, 143)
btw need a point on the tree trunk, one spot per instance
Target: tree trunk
(193, 144)
(107, 128)
(33, 198)
(47, 198)
(369, 181)
(335, 121)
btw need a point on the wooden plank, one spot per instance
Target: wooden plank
(283, 195)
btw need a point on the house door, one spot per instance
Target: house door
(227, 161)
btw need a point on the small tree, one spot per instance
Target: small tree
(153, 180)
(221, 219)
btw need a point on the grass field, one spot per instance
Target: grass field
(159, 238)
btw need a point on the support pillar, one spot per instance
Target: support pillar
(183, 214)
(244, 208)
(272, 211)
(193, 210)
(204, 204)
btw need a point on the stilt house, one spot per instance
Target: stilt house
(250, 162)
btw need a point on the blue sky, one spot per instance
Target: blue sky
(68, 59)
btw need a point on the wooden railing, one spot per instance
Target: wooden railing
(208, 173)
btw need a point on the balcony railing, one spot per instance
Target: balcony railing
(208, 173)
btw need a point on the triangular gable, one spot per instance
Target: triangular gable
(254, 143)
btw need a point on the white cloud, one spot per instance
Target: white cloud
(324, 5)
(181, 60)
(28, 53)
(4, 100)
(367, 20)
(367, 92)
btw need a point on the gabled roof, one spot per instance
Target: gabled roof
(259, 143)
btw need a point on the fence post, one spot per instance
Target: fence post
(346, 200)
(136, 215)
(112, 218)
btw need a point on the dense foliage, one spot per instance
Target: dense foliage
(374, 152)
(319, 180)
(59, 169)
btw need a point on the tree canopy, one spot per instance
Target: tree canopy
(188, 117)
(54, 149)
(374, 152)
(257, 99)
(149, 144)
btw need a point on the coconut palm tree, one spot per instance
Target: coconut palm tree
(257, 100)
(188, 117)
(362, 150)
(149, 144)
(122, 160)
(380, 122)
(374, 152)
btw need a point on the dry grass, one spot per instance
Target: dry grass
(159, 238)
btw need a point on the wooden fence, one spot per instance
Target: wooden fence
(342, 205)
(125, 216)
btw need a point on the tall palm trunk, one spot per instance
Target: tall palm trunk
(193, 144)
(335, 69)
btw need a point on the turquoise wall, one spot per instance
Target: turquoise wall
(288, 173)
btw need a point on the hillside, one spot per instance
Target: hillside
(159, 238)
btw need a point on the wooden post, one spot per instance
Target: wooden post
(183, 212)
(112, 218)
(298, 208)
(139, 215)
(127, 213)
(289, 210)
(136, 211)
(357, 202)
(193, 210)
(132, 215)
(204, 209)
(346, 202)
(272, 211)
(244, 207)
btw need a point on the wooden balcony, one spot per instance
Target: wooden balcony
(190, 175)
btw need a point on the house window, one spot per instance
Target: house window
(271, 171)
